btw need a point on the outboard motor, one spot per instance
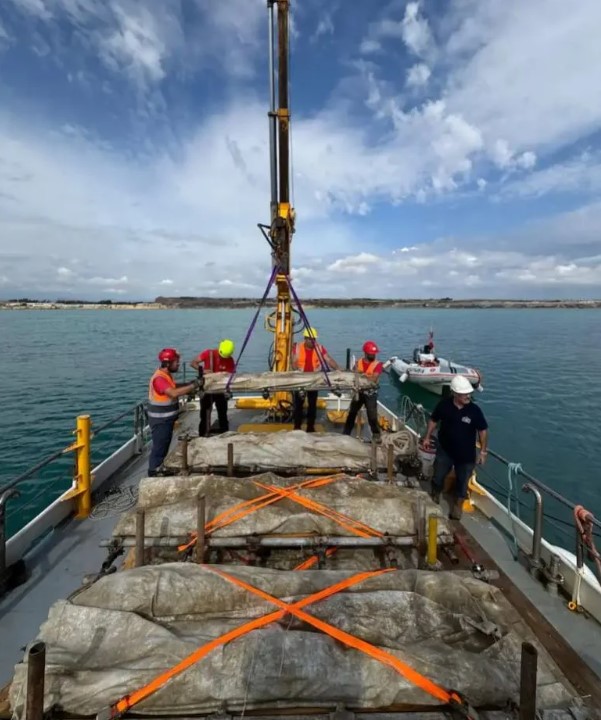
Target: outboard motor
(416, 354)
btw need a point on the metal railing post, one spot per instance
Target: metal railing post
(538, 526)
(84, 477)
(82, 489)
(4, 498)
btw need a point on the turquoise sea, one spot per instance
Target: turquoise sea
(541, 372)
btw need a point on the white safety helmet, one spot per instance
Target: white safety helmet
(461, 386)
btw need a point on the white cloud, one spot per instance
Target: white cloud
(581, 174)
(35, 7)
(66, 194)
(325, 26)
(416, 31)
(135, 45)
(418, 75)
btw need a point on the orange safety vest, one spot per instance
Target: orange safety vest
(366, 369)
(300, 354)
(161, 407)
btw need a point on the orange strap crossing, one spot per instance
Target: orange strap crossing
(275, 494)
(128, 701)
(372, 651)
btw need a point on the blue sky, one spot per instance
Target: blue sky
(439, 149)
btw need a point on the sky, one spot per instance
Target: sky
(440, 149)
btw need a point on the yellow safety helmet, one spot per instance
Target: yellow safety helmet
(226, 348)
(310, 333)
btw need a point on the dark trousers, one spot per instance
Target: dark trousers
(442, 467)
(161, 434)
(371, 408)
(205, 413)
(311, 410)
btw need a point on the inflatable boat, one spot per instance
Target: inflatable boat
(432, 372)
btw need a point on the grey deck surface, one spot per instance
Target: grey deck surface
(583, 634)
(58, 565)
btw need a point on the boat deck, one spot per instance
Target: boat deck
(58, 565)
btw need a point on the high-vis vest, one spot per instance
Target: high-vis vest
(300, 355)
(367, 368)
(161, 407)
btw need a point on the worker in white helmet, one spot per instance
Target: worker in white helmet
(459, 422)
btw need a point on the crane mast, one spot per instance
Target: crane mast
(282, 212)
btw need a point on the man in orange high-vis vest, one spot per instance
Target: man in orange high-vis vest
(306, 359)
(163, 406)
(370, 366)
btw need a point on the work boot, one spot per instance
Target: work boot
(377, 438)
(435, 495)
(456, 509)
(310, 429)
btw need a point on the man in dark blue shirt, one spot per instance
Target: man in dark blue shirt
(460, 422)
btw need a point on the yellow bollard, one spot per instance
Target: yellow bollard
(432, 539)
(82, 489)
(84, 478)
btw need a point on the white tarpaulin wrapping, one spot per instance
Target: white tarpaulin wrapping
(249, 382)
(123, 631)
(291, 449)
(170, 506)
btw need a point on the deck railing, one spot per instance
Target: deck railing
(547, 510)
(76, 499)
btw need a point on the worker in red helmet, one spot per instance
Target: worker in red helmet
(371, 367)
(163, 406)
(219, 359)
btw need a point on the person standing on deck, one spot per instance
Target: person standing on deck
(306, 359)
(370, 366)
(459, 421)
(215, 360)
(163, 406)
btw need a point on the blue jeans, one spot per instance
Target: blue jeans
(161, 432)
(442, 467)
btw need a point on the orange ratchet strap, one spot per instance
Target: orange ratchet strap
(275, 494)
(229, 516)
(128, 701)
(372, 651)
(314, 559)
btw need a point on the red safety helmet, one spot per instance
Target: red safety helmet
(370, 348)
(168, 355)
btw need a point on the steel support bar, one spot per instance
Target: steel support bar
(528, 682)
(36, 666)
(273, 542)
(140, 539)
(200, 529)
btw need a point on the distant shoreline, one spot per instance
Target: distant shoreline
(188, 303)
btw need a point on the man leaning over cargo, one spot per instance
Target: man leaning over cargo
(459, 422)
(163, 406)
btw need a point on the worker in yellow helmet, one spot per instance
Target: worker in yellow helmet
(214, 360)
(306, 359)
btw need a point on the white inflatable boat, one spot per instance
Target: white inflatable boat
(431, 372)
